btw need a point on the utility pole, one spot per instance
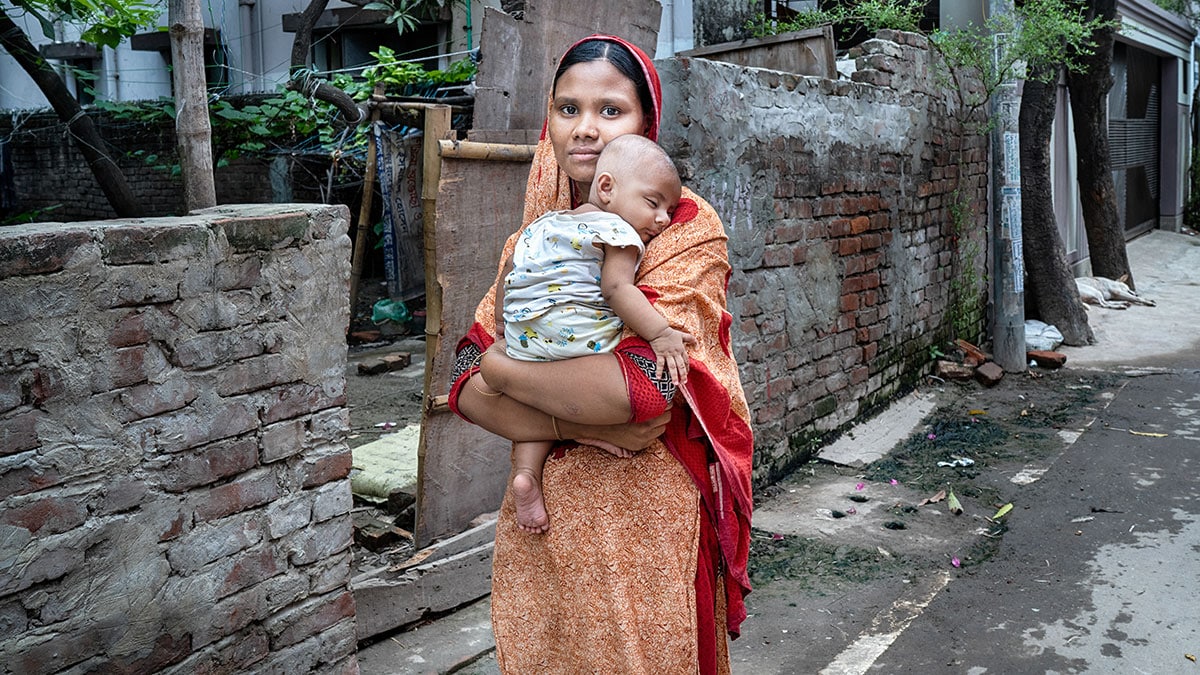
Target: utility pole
(193, 133)
(1008, 273)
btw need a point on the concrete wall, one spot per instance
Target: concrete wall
(174, 492)
(836, 197)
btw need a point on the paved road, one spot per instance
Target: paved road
(1101, 566)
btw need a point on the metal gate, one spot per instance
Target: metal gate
(1133, 129)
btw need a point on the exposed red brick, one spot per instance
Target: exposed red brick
(848, 302)
(18, 433)
(989, 374)
(849, 246)
(130, 330)
(328, 469)
(248, 570)
(1047, 359)
(26, 480)
(51, 515)
(859, 374)
(238, 496)
(870, 350)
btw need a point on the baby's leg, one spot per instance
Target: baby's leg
(528, 459)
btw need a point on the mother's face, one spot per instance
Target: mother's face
(593, 104)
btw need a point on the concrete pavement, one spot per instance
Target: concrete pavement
(1043, 598)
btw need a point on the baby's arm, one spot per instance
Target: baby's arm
(616, 283)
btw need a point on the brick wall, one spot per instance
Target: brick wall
(48, 172)
(836, 196)
(174, 490)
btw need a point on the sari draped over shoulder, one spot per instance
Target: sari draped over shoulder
(644, 567)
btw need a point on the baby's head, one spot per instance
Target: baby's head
(636, 180)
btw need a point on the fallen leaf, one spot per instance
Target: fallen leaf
(1147, 433)
(1190, 657)
(1003, 511)
(976, 412)
(934, 499)
(953, 504)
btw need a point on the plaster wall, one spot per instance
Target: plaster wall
(174, 491)
(836, 195)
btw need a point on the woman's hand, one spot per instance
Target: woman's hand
(634, 436)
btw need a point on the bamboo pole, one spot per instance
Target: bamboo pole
(504, 152)
(437, 127)
(364, 211)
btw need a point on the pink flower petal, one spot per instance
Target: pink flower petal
(859, 486)
(956, 562)
(851, 510)
(895, 482)
(931, 436)
(776, 537)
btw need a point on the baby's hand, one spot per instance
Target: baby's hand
(670, 351)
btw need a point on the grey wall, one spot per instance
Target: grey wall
(836, 196)
(174, 491)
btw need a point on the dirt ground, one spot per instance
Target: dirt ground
(394, 398)
(999, 429)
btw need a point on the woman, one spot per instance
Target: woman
(643, 569)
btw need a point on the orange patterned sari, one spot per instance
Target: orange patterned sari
(644, 567)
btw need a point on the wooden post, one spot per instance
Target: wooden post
(364, 207)
(193, 131)
(437, 128)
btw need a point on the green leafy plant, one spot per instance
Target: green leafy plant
(104, 22)
(873, 15)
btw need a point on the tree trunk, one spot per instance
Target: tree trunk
(1051, 285)
(1097, 192)
(193, 131)
(311, 86)
(83, 131)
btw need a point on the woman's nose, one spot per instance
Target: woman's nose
(585, 127)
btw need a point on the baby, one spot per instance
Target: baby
(568, 288)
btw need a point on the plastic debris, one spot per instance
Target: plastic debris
(1003, 511)
(953, 504)
(390, 310)
(1041, 335)
(958, 461)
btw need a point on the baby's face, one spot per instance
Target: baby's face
(646, 201)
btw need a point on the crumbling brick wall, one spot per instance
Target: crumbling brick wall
(837, 197)
(174, 491)
(49, 174)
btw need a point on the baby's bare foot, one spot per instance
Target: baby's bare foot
(531, 509)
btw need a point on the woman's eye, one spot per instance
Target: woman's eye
(610, 111)
(568, 109)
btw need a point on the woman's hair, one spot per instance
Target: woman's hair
(621, 59)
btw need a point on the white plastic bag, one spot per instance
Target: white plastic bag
(1043, 336)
